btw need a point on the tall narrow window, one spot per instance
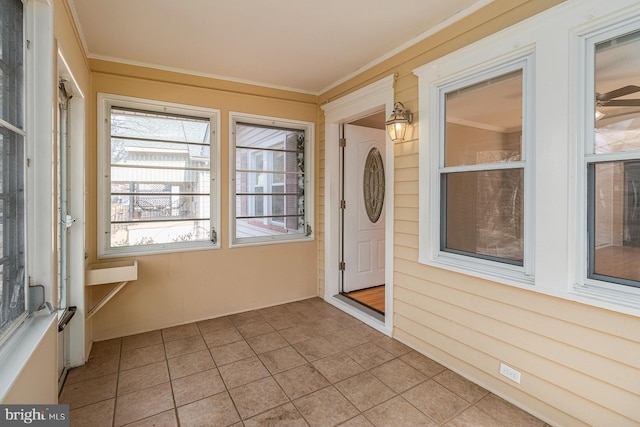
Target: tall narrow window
(159, 179)
(613, 163)
(477, 213)
(12, 197)
(482, 170)
(271, 190)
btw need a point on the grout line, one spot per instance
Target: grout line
(314, 317)
(115, 398)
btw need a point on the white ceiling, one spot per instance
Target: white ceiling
(303, 45)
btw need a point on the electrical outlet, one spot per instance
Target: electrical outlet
(510, 373)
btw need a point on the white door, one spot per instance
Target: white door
(364, 222)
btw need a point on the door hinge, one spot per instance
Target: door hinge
(308, 230)
(214, 236)
(343, 204)
(343, 142)
(341, 266)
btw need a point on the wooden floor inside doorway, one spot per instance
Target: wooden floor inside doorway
(371, 297)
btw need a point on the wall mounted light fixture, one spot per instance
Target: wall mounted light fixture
(398, 122)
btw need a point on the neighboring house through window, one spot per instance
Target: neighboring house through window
(270, 179)
(159, 191)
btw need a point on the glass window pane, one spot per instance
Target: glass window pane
(247, 182)
(157, 207)
(263, 227)
(162, 127)
(160, 178)
(192, 179)
(617, 98)
(12, 235)
(484, 118)
(264, 137)
(615, 221)
(159, 153)
(158, 232)
(269, 162)
(11, 63)
(484, 214)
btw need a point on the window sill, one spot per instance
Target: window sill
(160, 249)
(483, 269)
(17, 350)
(621, 301)
(242, 244)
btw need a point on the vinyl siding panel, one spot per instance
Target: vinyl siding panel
(580, 365)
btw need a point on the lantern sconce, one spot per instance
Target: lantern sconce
(398, 122)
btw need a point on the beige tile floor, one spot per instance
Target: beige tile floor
(298, 364)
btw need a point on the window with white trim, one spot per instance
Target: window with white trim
(271, 183)
(482, 173)
(12, 167)
(159, 190)
(580, 181)
(479, 177)
(612, 158)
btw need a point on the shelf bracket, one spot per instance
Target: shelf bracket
(105, 300)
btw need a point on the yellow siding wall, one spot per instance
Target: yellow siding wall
(183, 287)
(68, 42)
(580, 365)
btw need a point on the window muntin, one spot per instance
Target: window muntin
(270, 182)
(159, 188)
(12, 158)
(482, 172)
(613, 163)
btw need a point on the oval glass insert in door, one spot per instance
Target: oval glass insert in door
(373, 185)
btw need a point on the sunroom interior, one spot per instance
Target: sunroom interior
(169, 187)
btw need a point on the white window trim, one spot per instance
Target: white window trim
(309, 129)
(105, 102)
(583, 42)
(559, 182)
(433, 131)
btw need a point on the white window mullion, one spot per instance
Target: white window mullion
(483, 167)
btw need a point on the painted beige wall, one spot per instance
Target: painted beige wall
(579, 364)
(38, 381)
(68, 41)
(184, 287)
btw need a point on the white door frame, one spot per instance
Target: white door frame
(361, 103)
(76, 203)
